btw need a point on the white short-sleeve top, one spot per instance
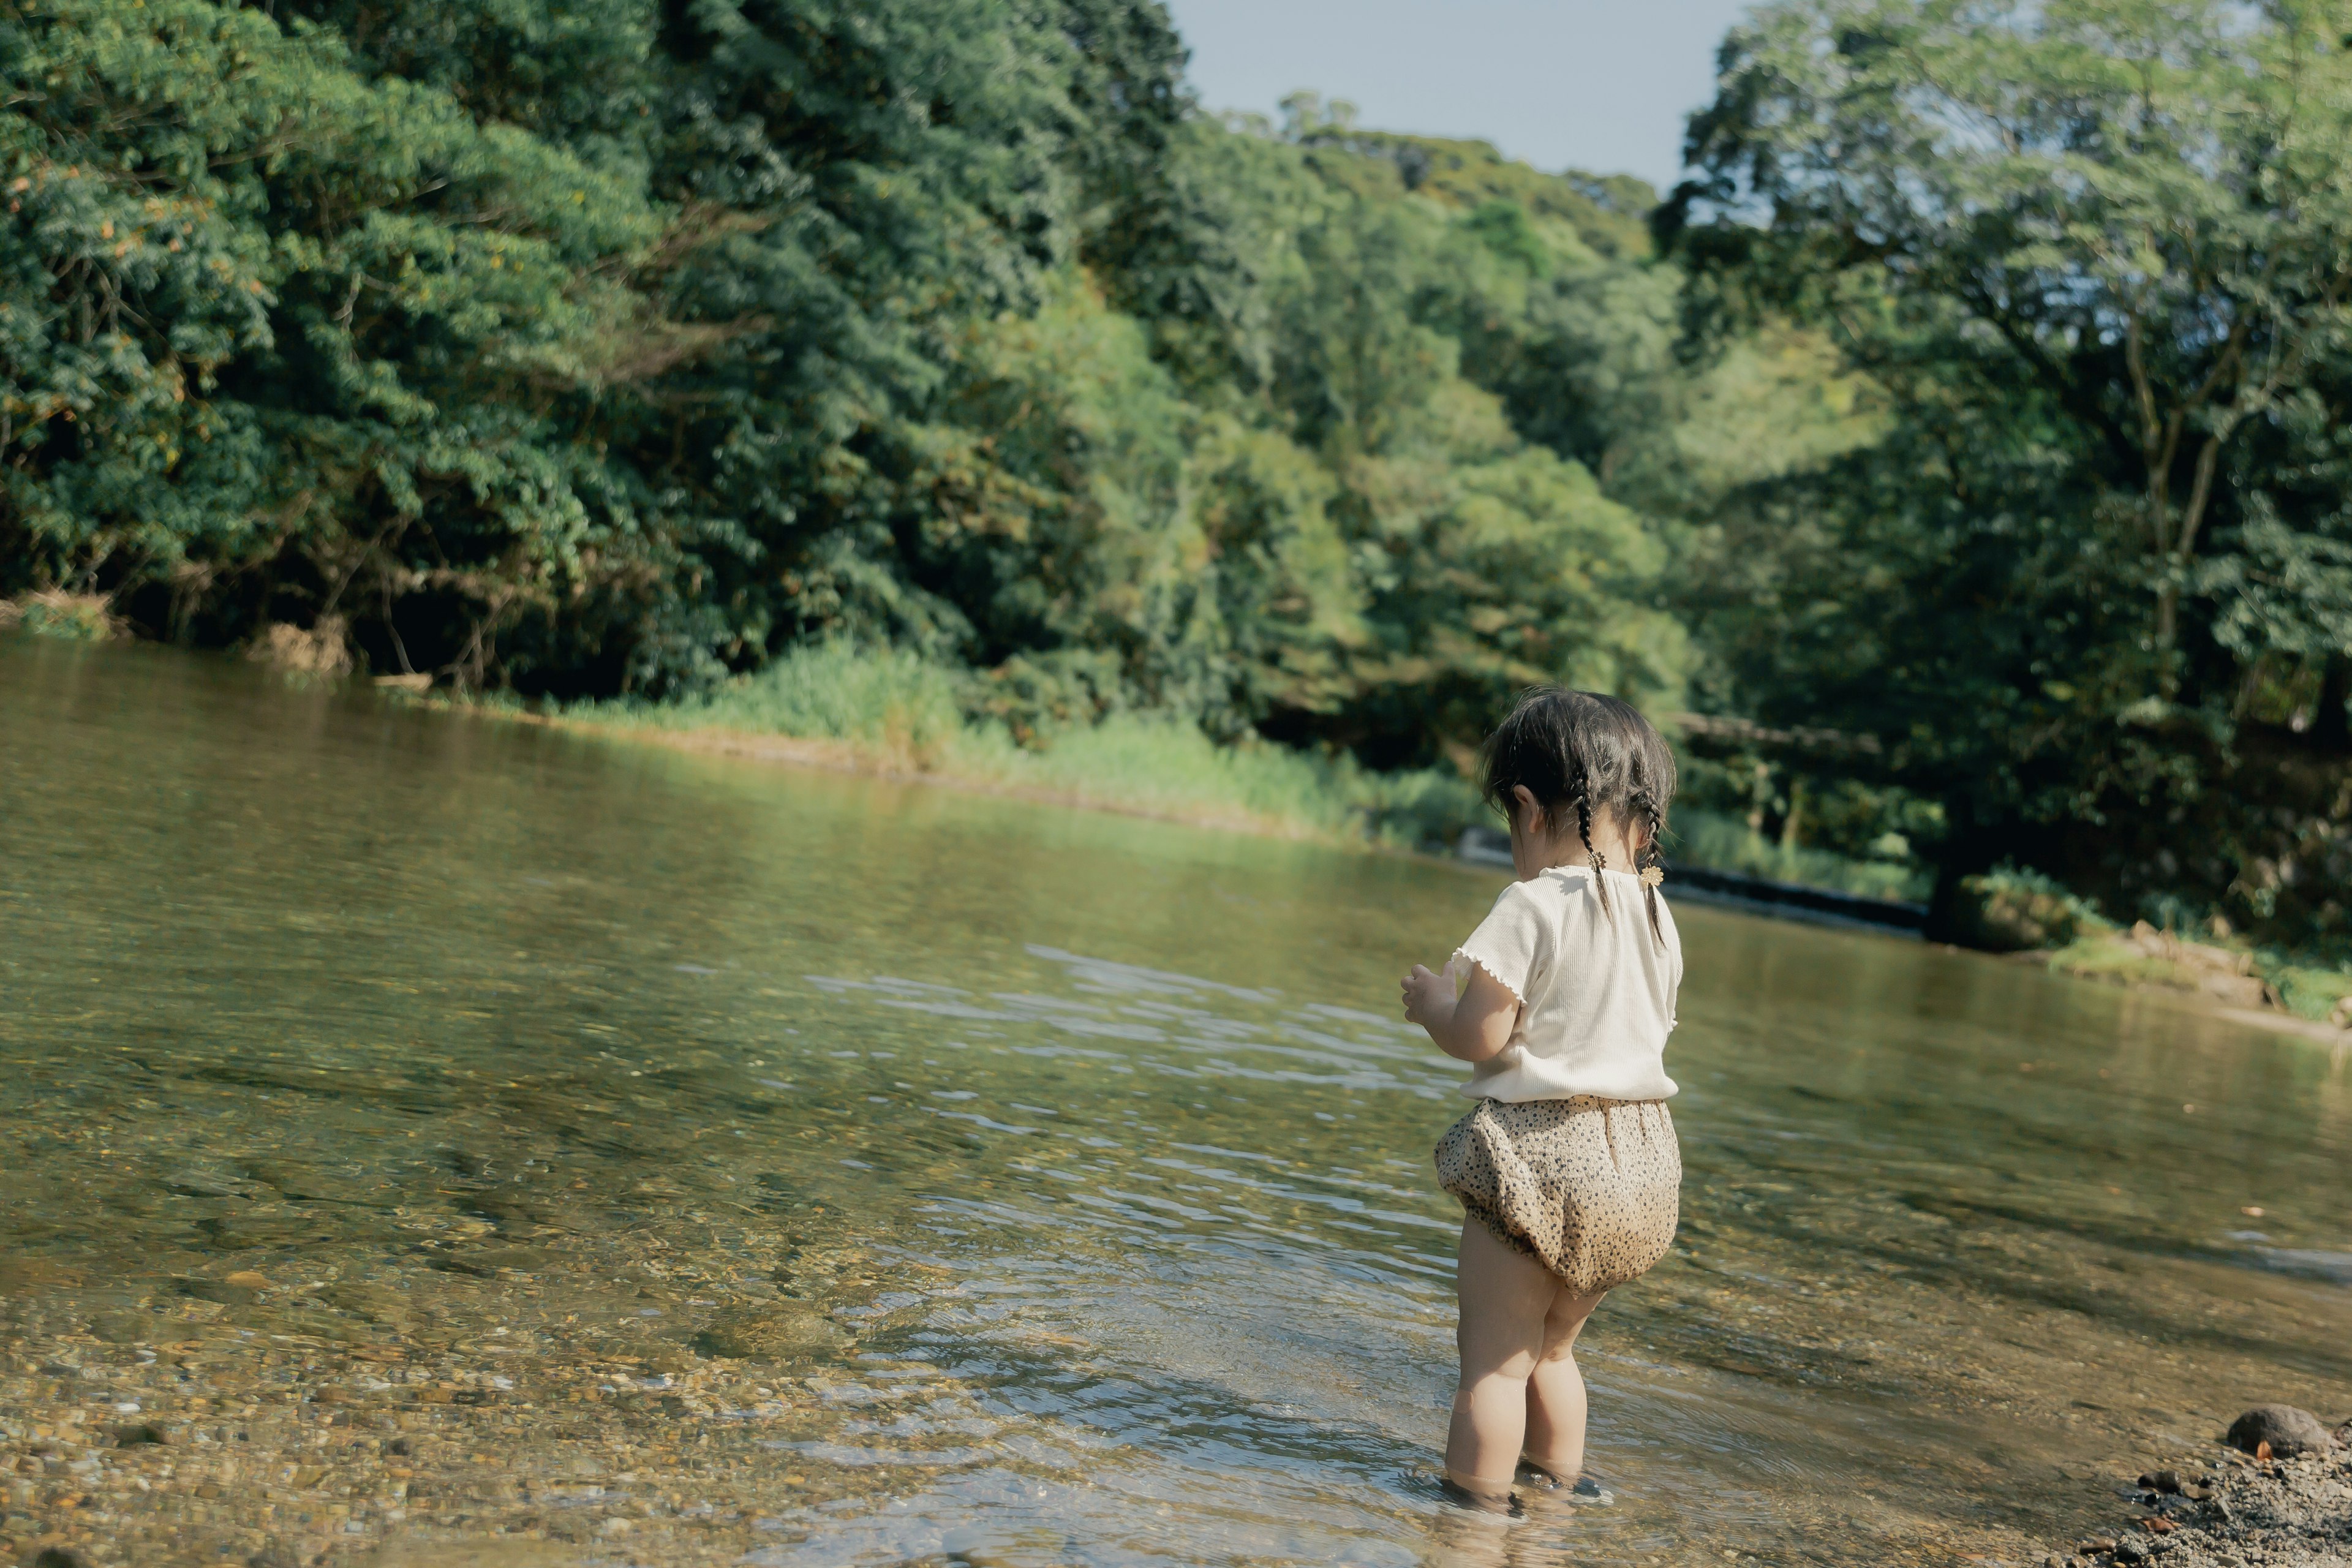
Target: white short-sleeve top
(1596, 988)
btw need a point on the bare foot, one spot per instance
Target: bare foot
(1532, 1474)
(1487, 1497)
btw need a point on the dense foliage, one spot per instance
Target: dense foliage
(597, 345)
(1969, 450)
(2092, 587)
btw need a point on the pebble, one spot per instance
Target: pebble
(2293, 1512)
(325, 1415)
(2289, 1430)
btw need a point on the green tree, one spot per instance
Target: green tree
(595, 346)
(263, 323)
(2095, 252)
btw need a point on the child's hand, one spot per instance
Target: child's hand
(1428, 996)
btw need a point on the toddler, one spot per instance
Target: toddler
(1568, 1171)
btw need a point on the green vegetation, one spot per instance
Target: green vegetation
(580, 348)
(1711, 838)
(895, 712)
(1961, 450)
(2089, 588)
(2010, 910)
(889, 711)
(78, 617)
(2323, 995)
(2230, 972)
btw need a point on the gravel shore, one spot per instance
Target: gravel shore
(2223, 1509)
(238, 1424)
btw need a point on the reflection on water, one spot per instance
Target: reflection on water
(447, 1131)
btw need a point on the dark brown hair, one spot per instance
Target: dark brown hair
(1581, 753)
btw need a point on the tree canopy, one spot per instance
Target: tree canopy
(593, 345)
(2093, 586)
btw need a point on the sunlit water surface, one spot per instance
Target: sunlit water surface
(1061, 1180)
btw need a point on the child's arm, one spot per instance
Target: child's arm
(1470, 1027)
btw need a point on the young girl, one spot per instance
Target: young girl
(1568, 1169)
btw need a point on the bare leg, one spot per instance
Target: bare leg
(1505, 1298)
(1555, 1441)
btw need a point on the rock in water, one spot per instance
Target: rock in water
(122, 1328)
(789, 1331)
(2288, 1430)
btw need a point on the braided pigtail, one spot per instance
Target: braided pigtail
(1593, 858)
(1594, 753)
(1652, 860)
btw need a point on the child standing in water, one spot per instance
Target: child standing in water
(1568, 1171)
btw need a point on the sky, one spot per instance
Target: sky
(1560, 83)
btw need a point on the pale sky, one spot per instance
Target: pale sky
(1560, 83)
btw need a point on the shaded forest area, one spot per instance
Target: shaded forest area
(1962, 449)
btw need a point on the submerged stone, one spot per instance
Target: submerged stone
(203, 1288)
(523, 1260)
(782, 1332)
(120, 1328)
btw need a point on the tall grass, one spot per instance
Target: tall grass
(897, 711)
(892, 703)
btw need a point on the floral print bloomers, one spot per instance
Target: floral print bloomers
(1590, 1188)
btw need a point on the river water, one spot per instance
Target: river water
(463, 1141)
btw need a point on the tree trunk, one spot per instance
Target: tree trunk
(2331, 725)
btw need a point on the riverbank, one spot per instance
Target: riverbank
(2223, 1509)
(2243, 982)
(891, 714)
(896, 717)
(2038, 922)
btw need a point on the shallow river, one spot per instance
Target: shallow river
(461, 1142)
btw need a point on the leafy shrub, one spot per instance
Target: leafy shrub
(2013, 910)
(1703, 837)
(79, 618)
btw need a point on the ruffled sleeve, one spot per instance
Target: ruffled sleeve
(1509, 943)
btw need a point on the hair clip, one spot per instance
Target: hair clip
(1653, 875)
